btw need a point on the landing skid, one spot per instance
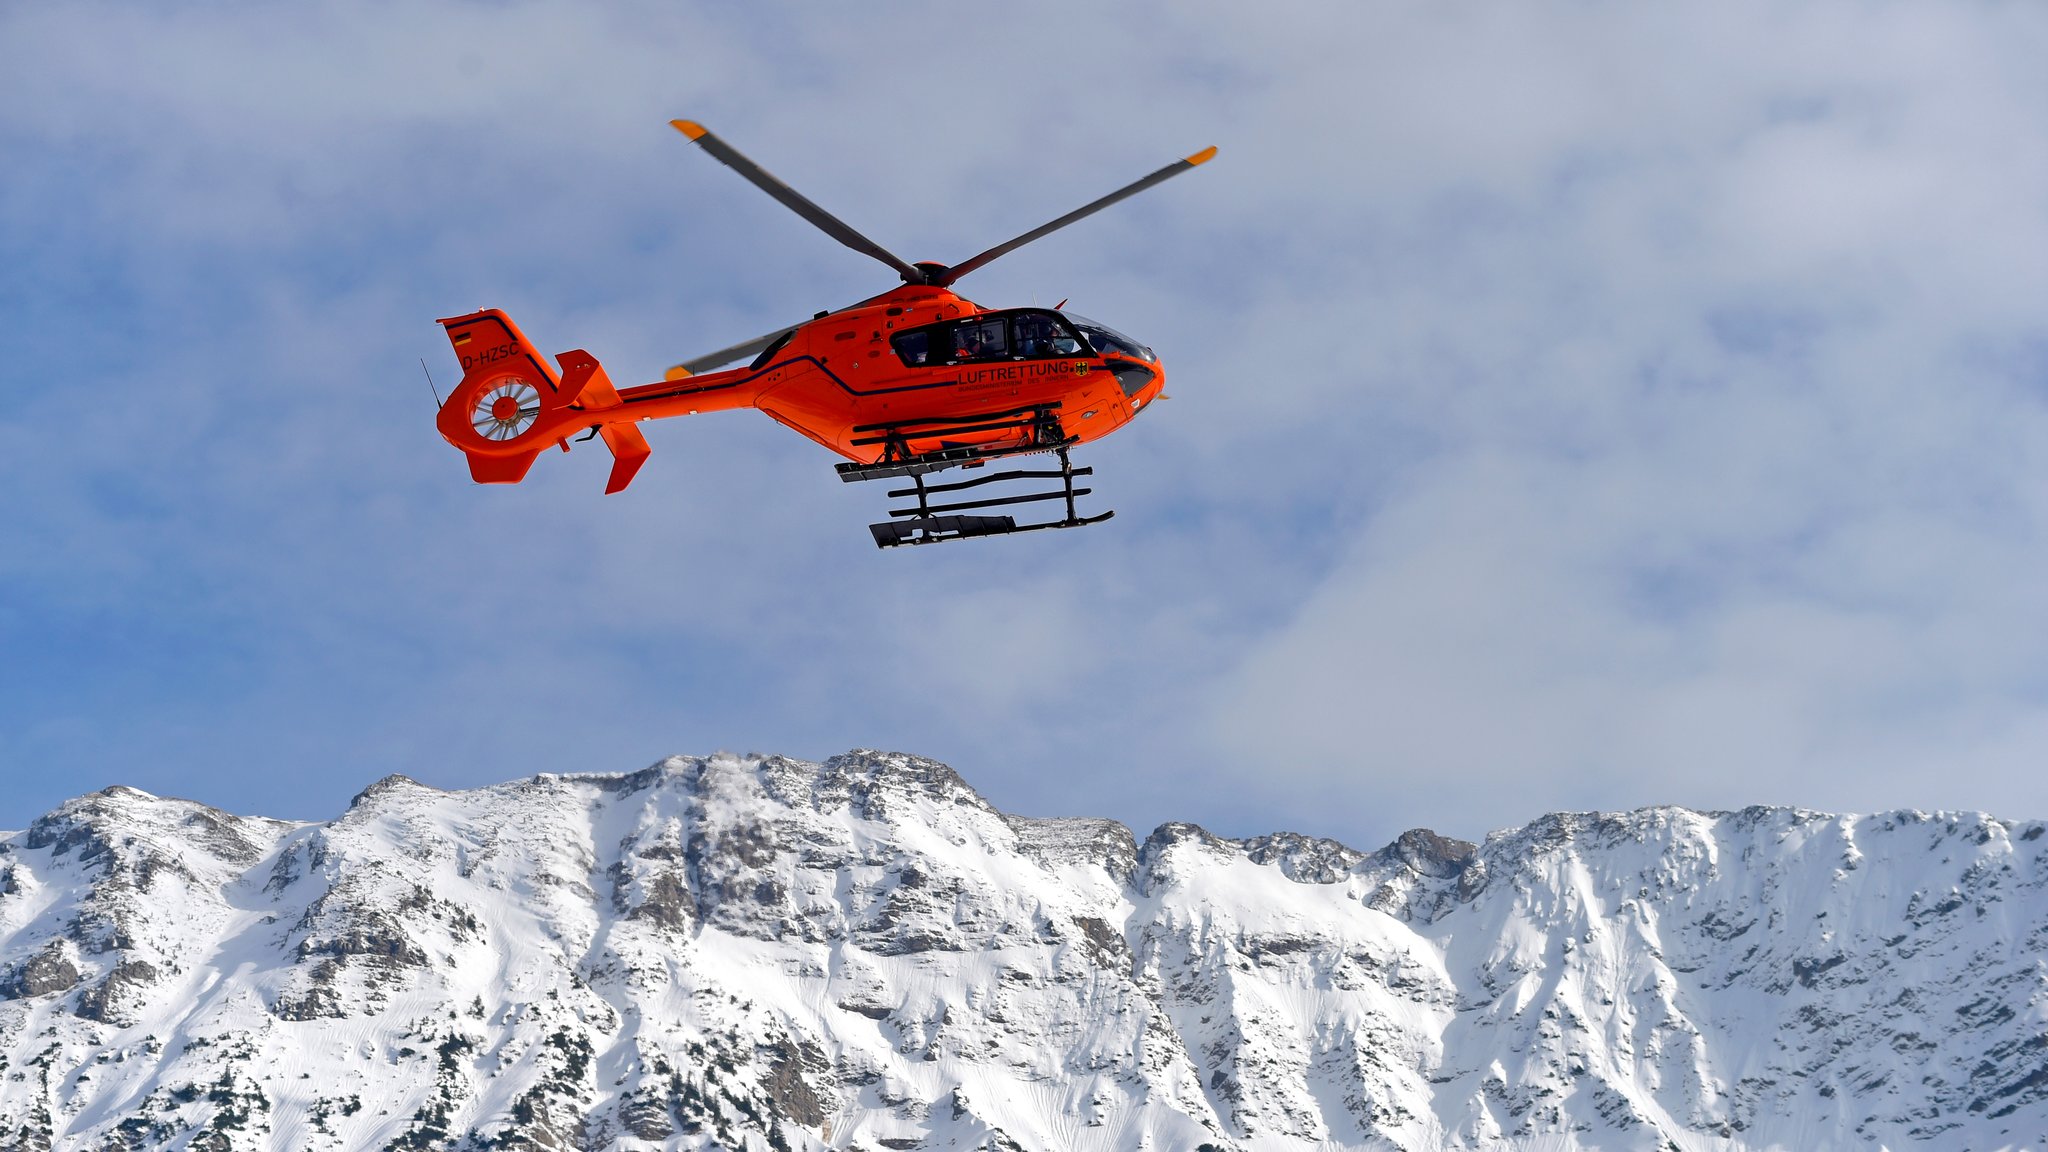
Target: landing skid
(930, 523)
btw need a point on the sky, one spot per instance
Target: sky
(1575, 405)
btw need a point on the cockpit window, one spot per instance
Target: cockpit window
(981, 340)
(914, 347)
(1042, 334)
(1008, 336)
(1108, 340)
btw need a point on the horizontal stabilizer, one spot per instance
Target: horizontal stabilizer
(585, 382)
(629, 452)
(501, 469)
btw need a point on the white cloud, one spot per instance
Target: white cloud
(1580, 405)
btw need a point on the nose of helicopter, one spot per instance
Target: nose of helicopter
(1155, 390)
(1140, 381)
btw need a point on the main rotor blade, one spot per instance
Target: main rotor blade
(831, 225)
(727, 355)
(1127, 191)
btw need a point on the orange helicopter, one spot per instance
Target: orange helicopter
(904, 384)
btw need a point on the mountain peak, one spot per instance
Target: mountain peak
(1428, 854)
(395, 783)
(761, 952)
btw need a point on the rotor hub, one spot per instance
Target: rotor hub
(505, 410)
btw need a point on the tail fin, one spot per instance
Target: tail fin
(499, 415)
(505, 386)
(584, 378)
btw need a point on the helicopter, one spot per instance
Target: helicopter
(913, 381)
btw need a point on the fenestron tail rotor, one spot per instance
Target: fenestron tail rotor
(506, 411)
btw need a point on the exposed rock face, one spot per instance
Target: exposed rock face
(769, 954)
(47, 972)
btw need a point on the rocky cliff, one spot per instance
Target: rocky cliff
(763, 953)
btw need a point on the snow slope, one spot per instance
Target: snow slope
(771, 954)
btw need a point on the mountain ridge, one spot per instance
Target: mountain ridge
(763, 952)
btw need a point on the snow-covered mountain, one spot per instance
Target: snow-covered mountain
(766, 954)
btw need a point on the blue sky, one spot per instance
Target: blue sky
(1575, 405)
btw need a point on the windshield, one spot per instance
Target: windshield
(1019, 335)
(1107, 339)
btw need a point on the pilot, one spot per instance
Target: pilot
(1032, 336)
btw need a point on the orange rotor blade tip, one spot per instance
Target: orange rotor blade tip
(695, 131)
(1204, 156)
(676, 373)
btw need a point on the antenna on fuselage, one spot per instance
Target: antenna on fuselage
(430, 384)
